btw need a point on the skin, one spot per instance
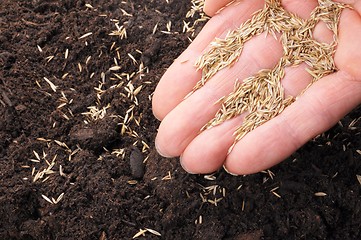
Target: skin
(317, 110)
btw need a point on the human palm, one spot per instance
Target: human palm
(315, 111)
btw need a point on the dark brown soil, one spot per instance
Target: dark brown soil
(101, 200)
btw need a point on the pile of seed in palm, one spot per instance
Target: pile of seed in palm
(261, 97)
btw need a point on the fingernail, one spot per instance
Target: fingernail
(160, 152)
(225, 169)
(181, 163)
(156, 116)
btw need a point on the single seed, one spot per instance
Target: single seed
(64, 76)
(320, 194)
(36, 155)
(155, 28)
(153, 232)
(86, 35)
(133, 59)
(115, 68)
(47, 199)
(132, 182)
(276, 194)
(88, 6)
(80, 67)
(39, 48)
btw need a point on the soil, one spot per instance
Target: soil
(68, 174)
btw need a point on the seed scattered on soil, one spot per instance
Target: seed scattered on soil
(353, 123)
(49, 58)
(155, 28)
(136, 163)
(47, 199)
(143, 231)
(213, 194)
(167, 177)
(36, 155)
(89, 6)
(132, 182)
(52, 85)
(153, 232)
(86, 35)
(199, 220)
(61, 173)
(320, 194)
(140, 233)
(261, 97)
(115, 68)
(121, 31)
(133, 59)
(53, 200)
(58, 199)
(273, 191)
(39, 48)
(196, 10)
(80, 67)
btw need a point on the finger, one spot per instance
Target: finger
(318, 109)
(348, 54)
(213, 144)
(211, 7)
(182, 76)
(184, 122)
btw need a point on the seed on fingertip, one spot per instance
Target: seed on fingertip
(225, 169)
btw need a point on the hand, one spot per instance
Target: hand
(315, 111)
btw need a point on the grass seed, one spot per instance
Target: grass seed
(261, 97)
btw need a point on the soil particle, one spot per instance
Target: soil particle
(96, 135)
(255, 235)
(136, 163)
(151, 54)
(7, 59)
